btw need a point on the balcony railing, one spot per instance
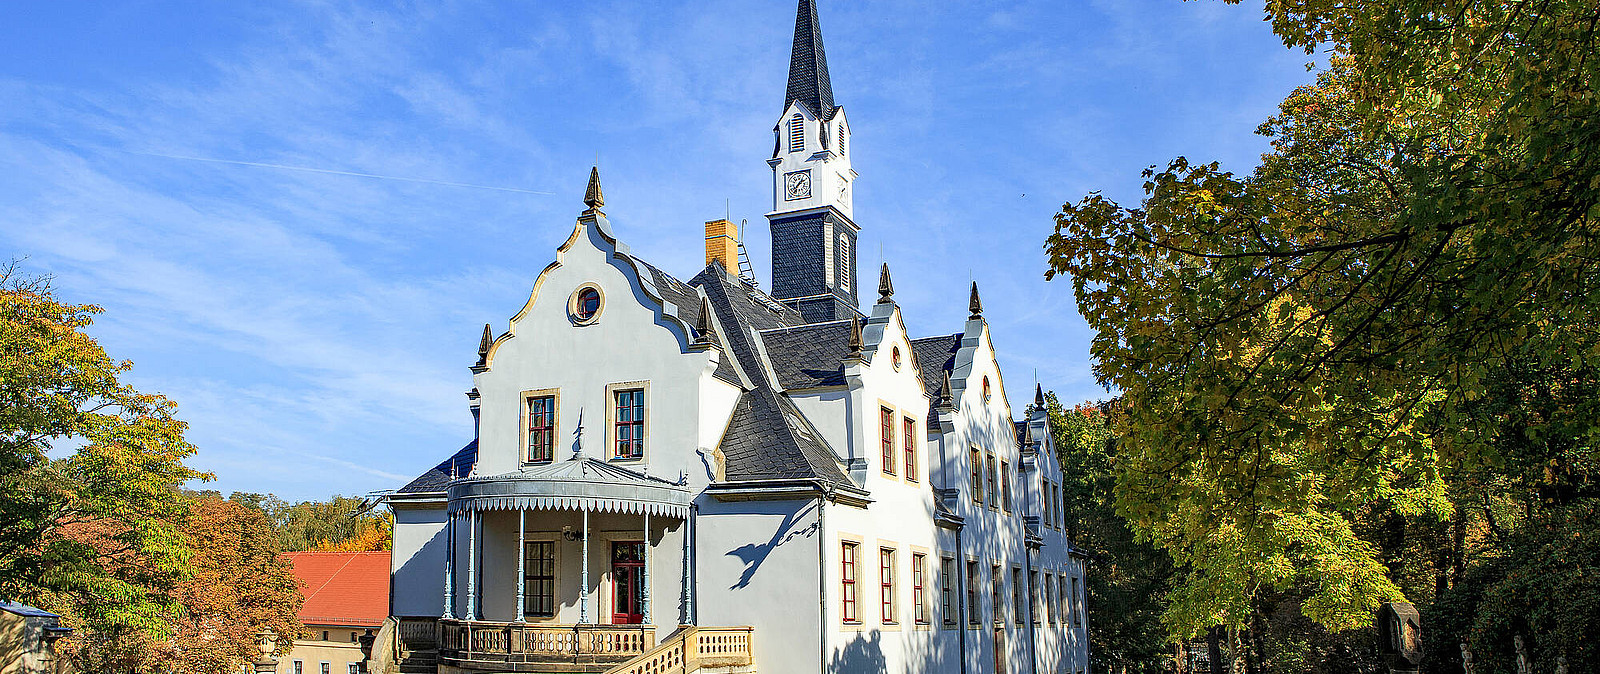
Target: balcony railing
(477, 642)
(692, 648)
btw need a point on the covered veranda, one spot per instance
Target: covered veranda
(514, 592)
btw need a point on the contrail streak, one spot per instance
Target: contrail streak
(309, 169)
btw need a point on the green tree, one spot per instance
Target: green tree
(1302, 351)
(95, 534)
(345, 523)
(240, 584)
(1128, 579)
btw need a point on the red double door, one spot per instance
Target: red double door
(627, 583)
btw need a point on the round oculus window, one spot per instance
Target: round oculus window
(585, 304)
(894, 358)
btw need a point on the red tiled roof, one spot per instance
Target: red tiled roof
(342, 588)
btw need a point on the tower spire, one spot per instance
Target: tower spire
(808, 65)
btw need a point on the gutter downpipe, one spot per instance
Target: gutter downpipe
(694, 565)
(1033, 654)
(961, 599)
(822, 579)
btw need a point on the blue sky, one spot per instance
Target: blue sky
(316, 328)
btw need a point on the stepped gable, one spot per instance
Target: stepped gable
(438, 477)
(808, 356)
(767, 438)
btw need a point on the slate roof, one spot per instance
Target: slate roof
(809, 356)
(935, 356)
(808, 64)
(767, 438)
(438, 477)
(342, 588)
(686, 300)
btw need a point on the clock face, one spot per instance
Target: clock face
(844, 190)
(797, 185)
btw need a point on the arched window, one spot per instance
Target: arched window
(797, 133)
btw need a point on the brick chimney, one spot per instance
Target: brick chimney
(722, 244)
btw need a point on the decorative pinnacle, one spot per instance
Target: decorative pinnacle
(1038, 395)
(944, 393)
(973, 304)
(593, 197)
(855, 335)
(1027, 434)
(702, 328)
(885, 286)
(484, 344)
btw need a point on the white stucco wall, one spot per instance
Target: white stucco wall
(417, 561)
(756, 565)
(635, 340)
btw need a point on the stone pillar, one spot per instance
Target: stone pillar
(450, 565)
(583, 590)
(473, 519)
(644, 571)
(522, 559)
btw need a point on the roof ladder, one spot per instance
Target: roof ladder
(746, 272)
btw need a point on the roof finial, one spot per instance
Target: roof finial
(945, 395)
(973, 305)
(593, 197)
(808, 65)
(484, 344)
(1038, 395)
(702, 328)
(855, 335)
(885, 286)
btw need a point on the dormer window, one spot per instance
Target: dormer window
(797, 133)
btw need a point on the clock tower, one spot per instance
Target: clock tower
(813, 235)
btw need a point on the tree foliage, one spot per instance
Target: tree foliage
(1127, 578)
(1304, 351)
(95, 533)
(341, 523)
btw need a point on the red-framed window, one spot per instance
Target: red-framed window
(630, 424)
(847, 582)
(886, 585)
(947, 590)
(1019, 596)
(989, 470)
(1005, 486)
(1077, 603)
(996, 605)
(886, 432)
(541, 428)
(1035, 597)
(919, 587)
(972, 593)
(910, 441)
(977, 475)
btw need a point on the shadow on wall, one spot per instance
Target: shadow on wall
(864, 655)
(754, 554)
(416, 572)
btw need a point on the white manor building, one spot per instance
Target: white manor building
(735, 480)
